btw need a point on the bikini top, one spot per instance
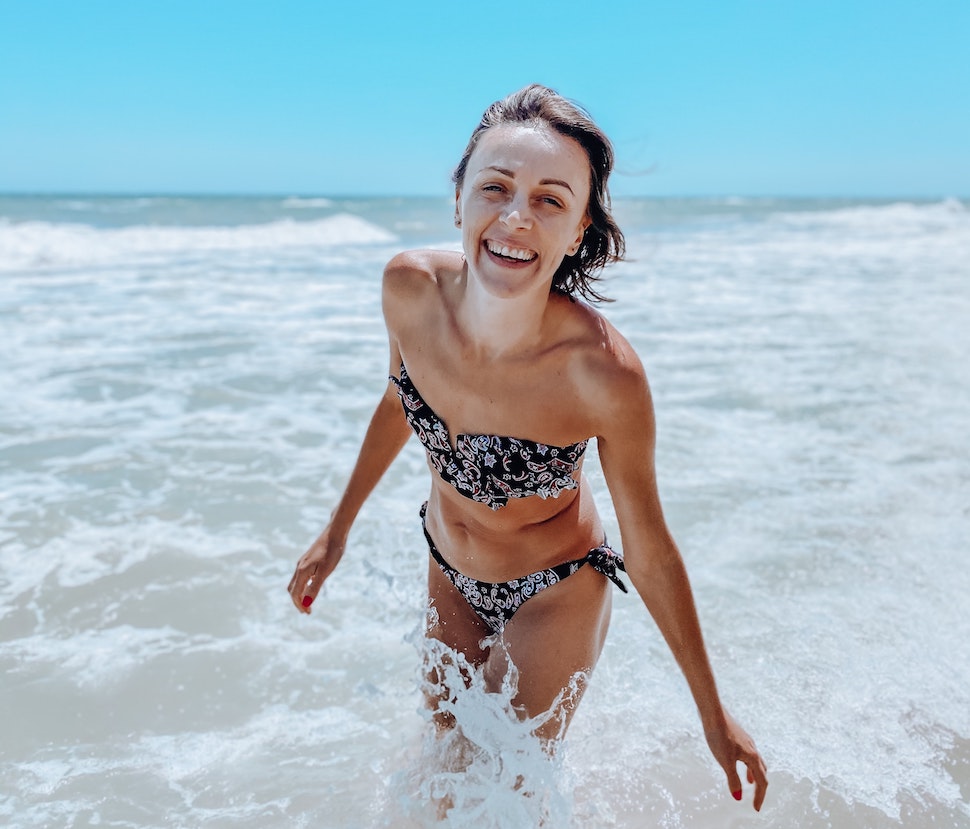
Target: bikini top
(489, 469)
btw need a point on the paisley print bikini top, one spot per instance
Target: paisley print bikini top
(489, 469)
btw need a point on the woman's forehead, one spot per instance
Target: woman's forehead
(534, 150)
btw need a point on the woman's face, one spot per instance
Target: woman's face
(523, 206)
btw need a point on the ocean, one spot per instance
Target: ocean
(184, 383)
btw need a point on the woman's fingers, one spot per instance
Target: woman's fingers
(313, 569)
(757, 776)
(304, 585)
(733, 746)
(734, 782)
(310, 590)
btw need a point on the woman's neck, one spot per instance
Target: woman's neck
(492, 327)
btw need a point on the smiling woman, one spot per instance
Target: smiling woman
(523, 204)
(561, 120)
(516, 375)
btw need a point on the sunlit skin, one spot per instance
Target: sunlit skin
(494, 351)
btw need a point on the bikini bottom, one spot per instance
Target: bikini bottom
(496, 602)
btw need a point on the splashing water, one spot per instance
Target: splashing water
(479, 763)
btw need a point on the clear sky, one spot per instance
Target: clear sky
(344, 97)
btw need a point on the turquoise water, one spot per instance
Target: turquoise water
(184, 385)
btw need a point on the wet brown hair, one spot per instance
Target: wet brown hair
(603, 240)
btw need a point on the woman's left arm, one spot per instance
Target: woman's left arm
(626, 449)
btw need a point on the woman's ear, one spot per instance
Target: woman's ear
(457, 208)
(573, 249)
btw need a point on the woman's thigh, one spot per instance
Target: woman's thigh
(451, 619)
(554, 641)
(452, 622)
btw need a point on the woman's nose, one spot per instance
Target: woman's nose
(517, 215)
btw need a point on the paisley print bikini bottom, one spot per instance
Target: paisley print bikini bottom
(496, 602)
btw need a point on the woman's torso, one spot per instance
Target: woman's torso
(535, 396)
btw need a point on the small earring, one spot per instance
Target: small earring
(457, 219)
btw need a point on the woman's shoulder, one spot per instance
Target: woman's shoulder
(413, 282)
(598, 345)
(416, 269)
(606, 365)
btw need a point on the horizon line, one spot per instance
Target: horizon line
(280, 194)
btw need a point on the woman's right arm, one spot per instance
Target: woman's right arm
(386, 435)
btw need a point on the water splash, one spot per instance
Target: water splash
(480, 763)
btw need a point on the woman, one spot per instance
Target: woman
(505, 376)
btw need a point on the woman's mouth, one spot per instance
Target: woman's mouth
(510, 254)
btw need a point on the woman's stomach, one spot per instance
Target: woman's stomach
(526, 535)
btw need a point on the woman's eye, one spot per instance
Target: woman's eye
(553, 201)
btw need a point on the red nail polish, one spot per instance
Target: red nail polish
(736, 795)
(307, 601)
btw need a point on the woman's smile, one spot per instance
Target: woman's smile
(510, 255)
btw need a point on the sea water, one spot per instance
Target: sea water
(184, 384)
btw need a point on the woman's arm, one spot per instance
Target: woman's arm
(626, 448)
(386, 435)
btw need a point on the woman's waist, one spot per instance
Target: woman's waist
(526, 535)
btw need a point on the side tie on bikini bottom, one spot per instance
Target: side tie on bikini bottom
(496, 602)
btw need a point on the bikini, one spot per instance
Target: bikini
(490, 469)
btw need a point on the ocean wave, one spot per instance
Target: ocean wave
(28, 245)
(918, 216)
(298, 202)
(101, 205)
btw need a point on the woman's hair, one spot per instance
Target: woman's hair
(603, 240)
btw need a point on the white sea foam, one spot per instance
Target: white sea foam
(27, 245)
(883, 220)
(115, 205)
(306, 203)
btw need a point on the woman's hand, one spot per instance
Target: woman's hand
(731, 744)
(314, 567)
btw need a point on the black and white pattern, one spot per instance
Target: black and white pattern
(489, 469)
(496, 602)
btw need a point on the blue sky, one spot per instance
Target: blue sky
(725, 97)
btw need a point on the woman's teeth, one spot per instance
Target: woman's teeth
(511, 253)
